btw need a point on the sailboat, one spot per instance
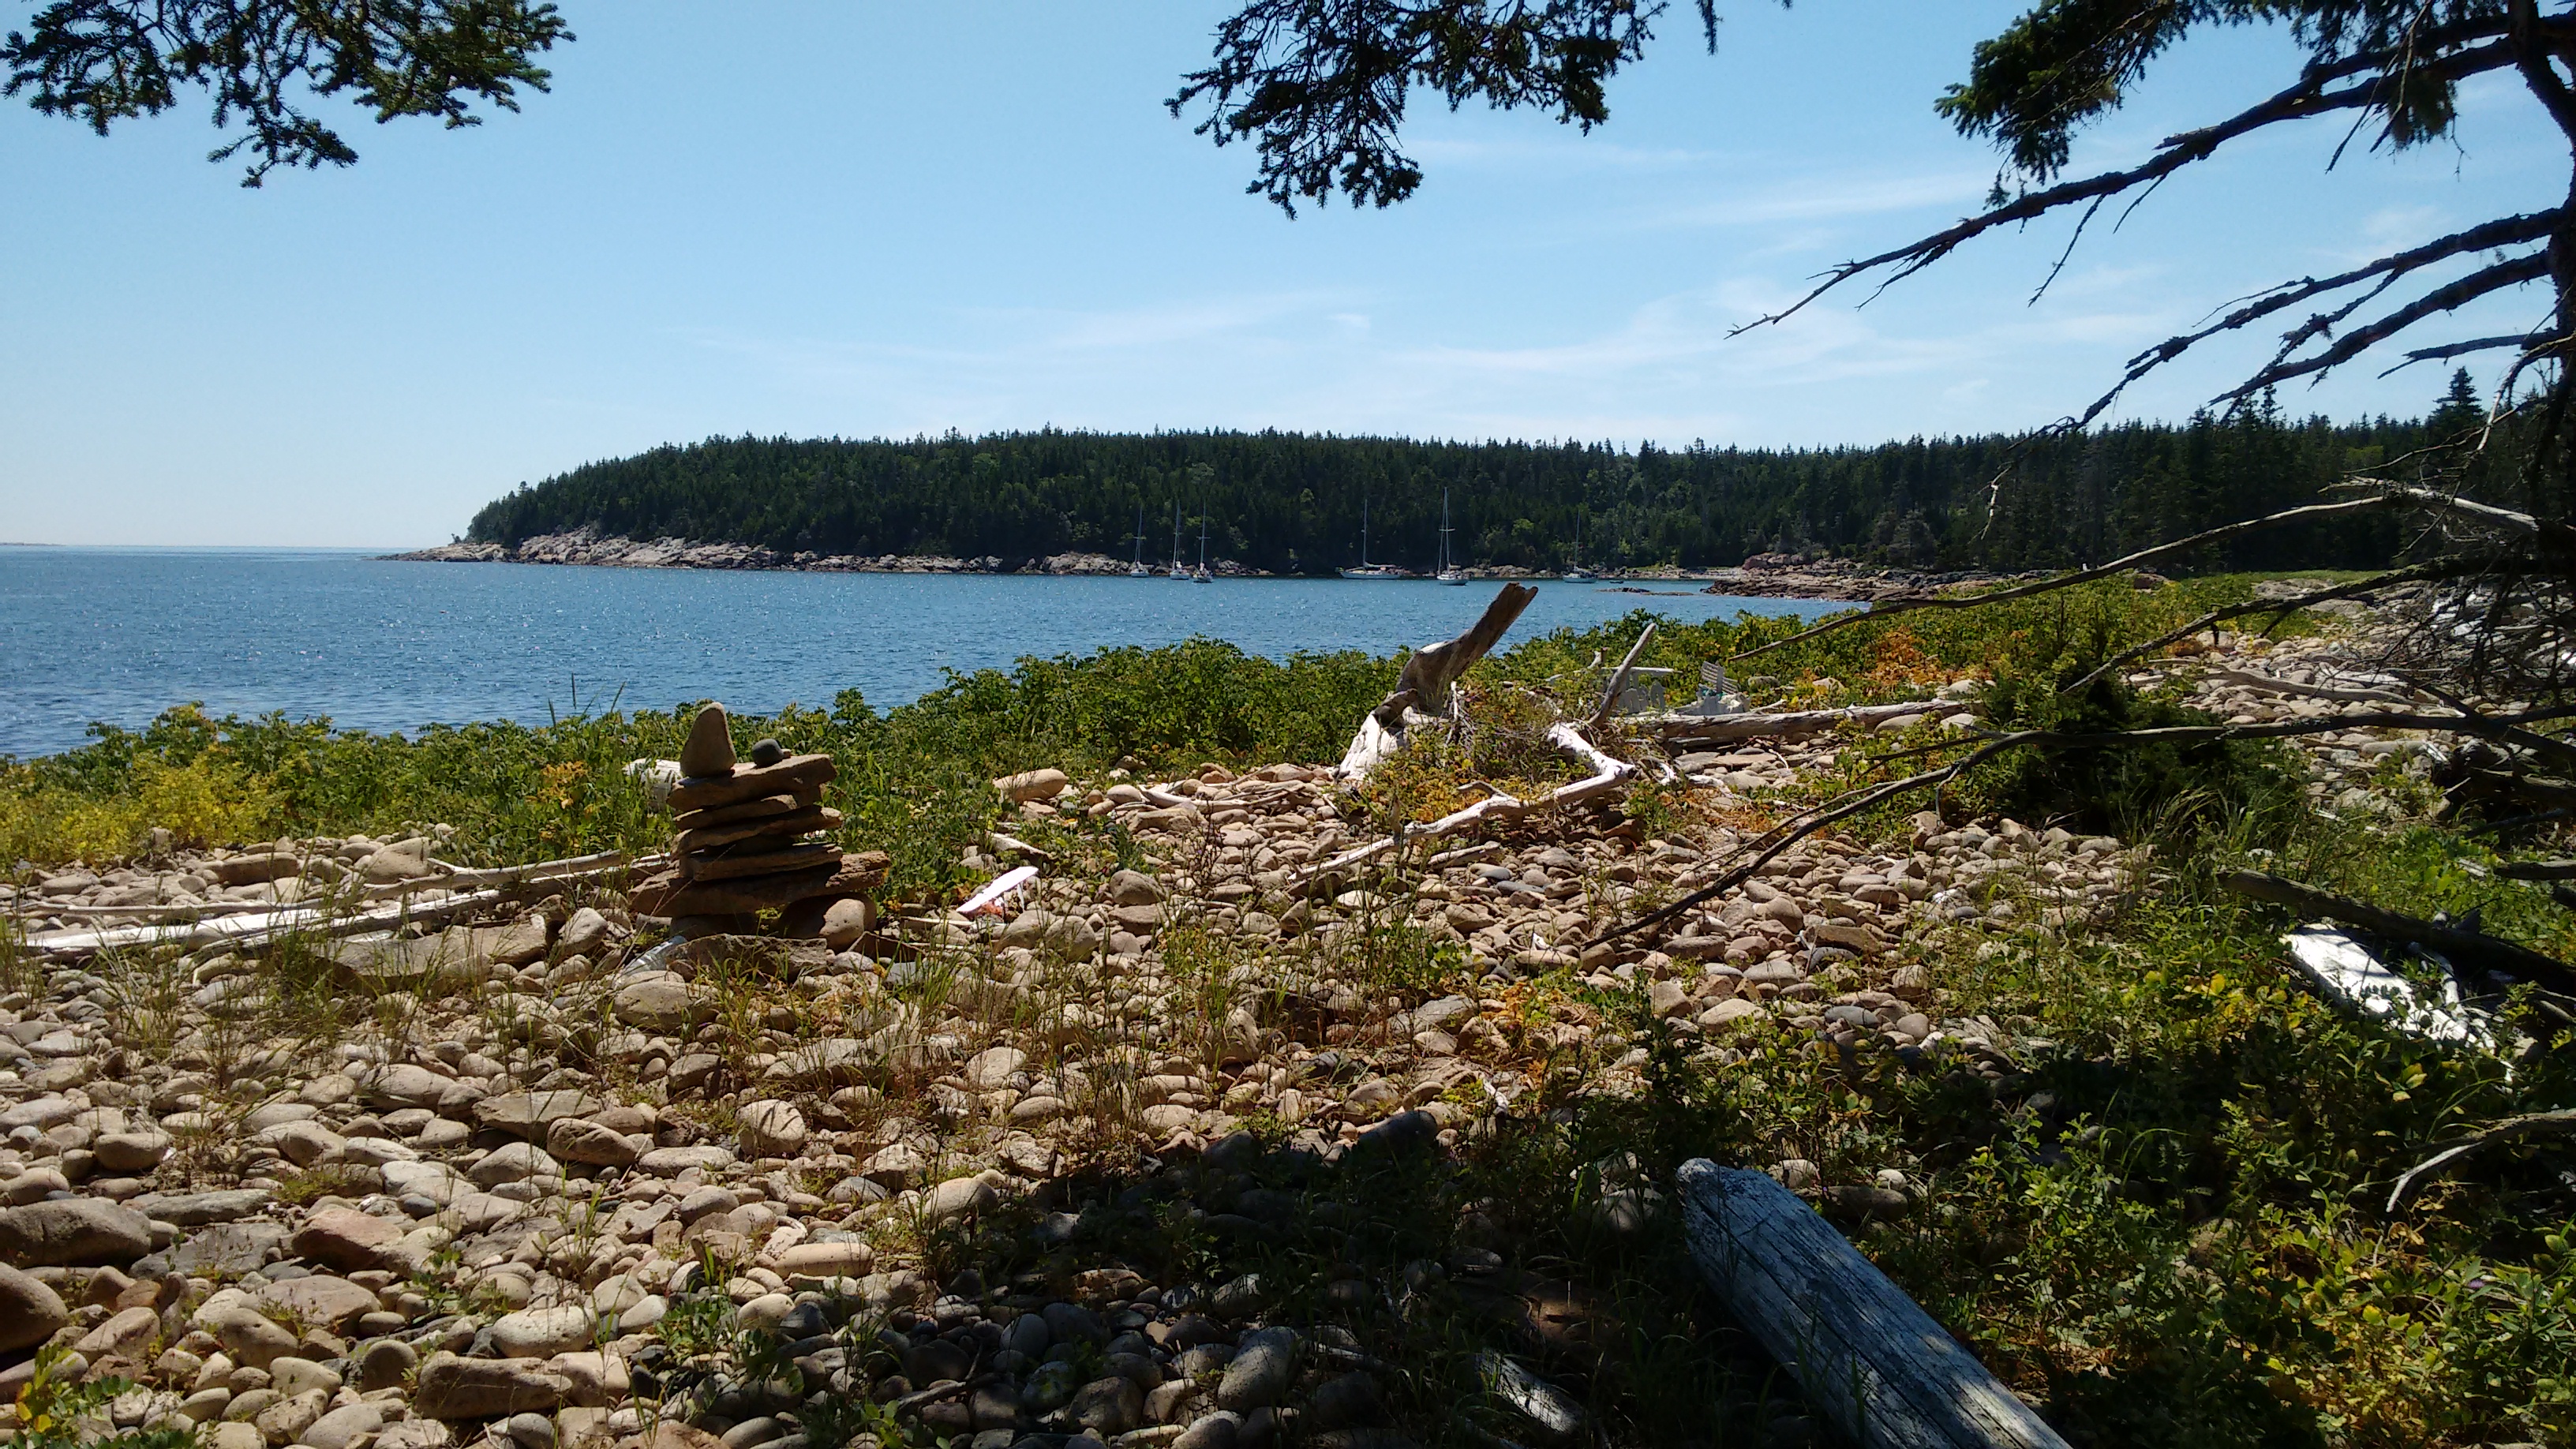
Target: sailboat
(1449, 573)
(1368, 570)
(1138, 569)
(1575, 572)
(1202, 575)
(1177, 572)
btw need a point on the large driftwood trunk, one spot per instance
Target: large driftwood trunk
(1868, 1359)
(1423, 688)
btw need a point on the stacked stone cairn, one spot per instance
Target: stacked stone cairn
(741, 843)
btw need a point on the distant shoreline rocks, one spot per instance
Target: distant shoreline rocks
(594, 549)
(1771, 576)
(1804, 576)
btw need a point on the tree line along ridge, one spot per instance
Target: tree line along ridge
(1292, 503)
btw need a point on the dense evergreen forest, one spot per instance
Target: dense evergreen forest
(1291, 503)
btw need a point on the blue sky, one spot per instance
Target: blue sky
(864, 219)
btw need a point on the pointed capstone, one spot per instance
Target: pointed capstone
(709, 753)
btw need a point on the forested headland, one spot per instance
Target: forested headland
(1292, 503)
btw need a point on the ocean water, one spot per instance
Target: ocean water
(118, 635)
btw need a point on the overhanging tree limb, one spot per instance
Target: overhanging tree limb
(2504, 231)
(2532, 267)
(2297, 102)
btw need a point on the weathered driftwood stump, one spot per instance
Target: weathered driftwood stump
(1867, 1357)
(1423, 689)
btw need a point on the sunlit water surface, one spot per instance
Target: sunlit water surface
(121, 634)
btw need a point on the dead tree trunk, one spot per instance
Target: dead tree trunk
(1424, 686)
(1868, 1358)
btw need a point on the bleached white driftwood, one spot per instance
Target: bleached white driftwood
(2346, 973)
(1607, 775)
(332, 916)
(1868, 1358)
(448, 879)
(1425, 682)
(1706, 729)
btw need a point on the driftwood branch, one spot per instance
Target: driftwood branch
(2460, 945)
(2423, 1174)
(330, 917)
(1868, 1358)
(918, 1400)
(1619, 677)
(1607, 776)
(2253, 680)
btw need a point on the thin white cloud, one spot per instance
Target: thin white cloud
(1824, 197)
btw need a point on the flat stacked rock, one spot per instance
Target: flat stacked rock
(742, 842)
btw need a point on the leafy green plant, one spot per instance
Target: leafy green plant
(57, 1412)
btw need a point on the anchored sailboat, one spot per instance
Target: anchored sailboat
(1449, 573)
(1368, 570)
(1138, 570)
(1575, 572)
(1202, 575)
(1177, 572)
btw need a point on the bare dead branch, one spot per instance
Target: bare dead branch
(2301, 101)
(2547, 530)
(2450, 350)
(1798, 827)
(2457, 943)
(2422, 1175)
(2505, 231)
(2514, 272)
(1619, 677)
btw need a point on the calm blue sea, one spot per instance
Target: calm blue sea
(121, 634)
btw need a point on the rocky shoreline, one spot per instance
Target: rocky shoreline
(1799, 576)
(1772, 576)
(561, 1178)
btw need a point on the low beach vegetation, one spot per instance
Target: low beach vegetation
(2165, 1223)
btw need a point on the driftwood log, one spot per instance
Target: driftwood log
(1423, 687)
(473, 890)
(1868, 1359)
(2537, 870)
(2463, 946)
(1682, 728)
